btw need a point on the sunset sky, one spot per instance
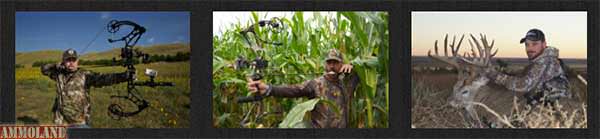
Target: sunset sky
(565, 30)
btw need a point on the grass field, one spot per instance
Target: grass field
(432, 88)
(169, 106)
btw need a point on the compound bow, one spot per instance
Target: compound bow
(129, 57)
(259, 63)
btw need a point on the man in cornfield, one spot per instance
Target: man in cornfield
(72, 103)
(544, 80)
(330, 86)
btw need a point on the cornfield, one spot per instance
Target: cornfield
(362, 38)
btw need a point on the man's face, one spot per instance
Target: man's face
(71, 64)
(333, 66)
(534, 48)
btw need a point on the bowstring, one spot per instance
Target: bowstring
(94, 39)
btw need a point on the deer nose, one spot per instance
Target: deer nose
(453, 103)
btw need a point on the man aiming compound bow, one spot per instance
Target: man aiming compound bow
(72, 103)
(330, 86)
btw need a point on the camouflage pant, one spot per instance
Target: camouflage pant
(543, 97)
(551, 91)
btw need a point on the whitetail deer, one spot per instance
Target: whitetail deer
(472, 85)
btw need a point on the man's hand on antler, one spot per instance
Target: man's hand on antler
(257, 86)
(491, 73)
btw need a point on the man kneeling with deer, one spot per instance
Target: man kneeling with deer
(543, 81)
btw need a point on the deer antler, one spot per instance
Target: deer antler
(483, 56)
(448, 60)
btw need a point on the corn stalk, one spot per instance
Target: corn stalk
(361, 36)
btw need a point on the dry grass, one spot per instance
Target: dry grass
(430, 109)
(542, 116)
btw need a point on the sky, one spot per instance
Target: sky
(62, 30)
(225, 19)
(565, 30)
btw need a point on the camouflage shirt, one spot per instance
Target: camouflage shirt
(323, 115)
(544, 76)
(72, 103)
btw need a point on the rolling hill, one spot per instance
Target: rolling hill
(28, 58)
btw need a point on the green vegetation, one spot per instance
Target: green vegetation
(169, 106)
(361, 36)
(28, 58)
(180, 56)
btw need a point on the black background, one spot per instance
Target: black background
(400, 53)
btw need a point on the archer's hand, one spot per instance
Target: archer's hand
(346, 68)
(131, 74)
(61, 67)
(252, 86)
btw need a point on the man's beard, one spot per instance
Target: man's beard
(532, 54)
(71, 69)
(331, 74)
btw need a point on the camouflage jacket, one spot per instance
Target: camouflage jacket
(544, 76)
(72, 103)
(323, 115)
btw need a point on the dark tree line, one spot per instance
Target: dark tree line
(180, 56)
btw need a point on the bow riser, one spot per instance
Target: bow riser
(128, 57)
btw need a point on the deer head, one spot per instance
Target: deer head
(470, 68)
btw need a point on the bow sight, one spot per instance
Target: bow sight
(129, 56)
(259, 63)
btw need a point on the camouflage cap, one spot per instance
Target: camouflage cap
(334, 54)
(534, 35)
(69, 53)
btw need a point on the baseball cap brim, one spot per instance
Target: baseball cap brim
(332, 58)
(529, 38)
(68, 57)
